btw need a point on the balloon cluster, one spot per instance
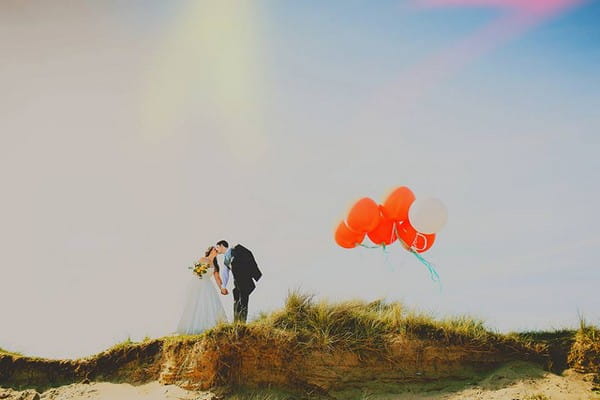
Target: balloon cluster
(401, 217)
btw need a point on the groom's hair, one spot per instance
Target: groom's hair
(223, 243)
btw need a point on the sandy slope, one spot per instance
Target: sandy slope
(517, 380)
(111, 391)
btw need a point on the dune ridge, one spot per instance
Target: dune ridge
(317, 348)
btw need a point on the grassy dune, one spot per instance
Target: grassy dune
(365, 328)
(317, 345)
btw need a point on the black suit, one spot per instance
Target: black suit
(245, 272)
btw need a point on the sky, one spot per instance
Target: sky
(134, 134)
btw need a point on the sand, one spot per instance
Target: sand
(113, 391)
(517, 380)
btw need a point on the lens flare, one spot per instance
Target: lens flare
(516, 17)
(208, 68)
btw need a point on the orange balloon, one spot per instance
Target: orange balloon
(396, 205)
(423, 242)
(420, 242)
(347, 238)
(384, 234)
(363, 216)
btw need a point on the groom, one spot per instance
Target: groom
(245, 272)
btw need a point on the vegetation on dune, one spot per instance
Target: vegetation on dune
(241, 393)
(557, 345)
(124, 346)
(9, 353)
(539, 396)
(376, 332)
(367, 327)
(585, 352)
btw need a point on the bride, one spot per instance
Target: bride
(203, 308)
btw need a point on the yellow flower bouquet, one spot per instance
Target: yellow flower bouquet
(200, 268)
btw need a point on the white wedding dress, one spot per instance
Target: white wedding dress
(203, 308)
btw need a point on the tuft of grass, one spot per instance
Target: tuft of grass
(260, 394)
(585, 352)
(10, 353)
(351, 325)
(539, 396)
(122, 345)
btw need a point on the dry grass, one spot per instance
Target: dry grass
(365, 327)
(585, 352)
(556, 343)
(358, 326)
(537, 397)
(10, 353)
(264, 394)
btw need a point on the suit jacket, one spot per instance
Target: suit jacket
(244, 269)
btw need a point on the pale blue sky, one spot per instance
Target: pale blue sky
(134, 136)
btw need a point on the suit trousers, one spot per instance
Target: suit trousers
(240, 305)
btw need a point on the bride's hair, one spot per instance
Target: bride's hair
(207, 253)
(215, 262)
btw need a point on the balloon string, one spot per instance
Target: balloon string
(386, 258)
(386, 253)
(367, 246)
(432, 272)
(435, 277)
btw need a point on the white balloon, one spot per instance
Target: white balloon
(428, 215)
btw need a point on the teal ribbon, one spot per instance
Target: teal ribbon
(386, 258)
(368, 247)
(432, 272)
(386, 254)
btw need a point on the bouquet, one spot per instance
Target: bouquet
(200, 268)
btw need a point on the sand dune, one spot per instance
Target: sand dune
(516, 380)
(350, 351)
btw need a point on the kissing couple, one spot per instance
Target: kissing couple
(203, 308)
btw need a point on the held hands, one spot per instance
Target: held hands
(224, 291)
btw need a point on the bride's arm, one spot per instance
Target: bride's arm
(219, 282)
